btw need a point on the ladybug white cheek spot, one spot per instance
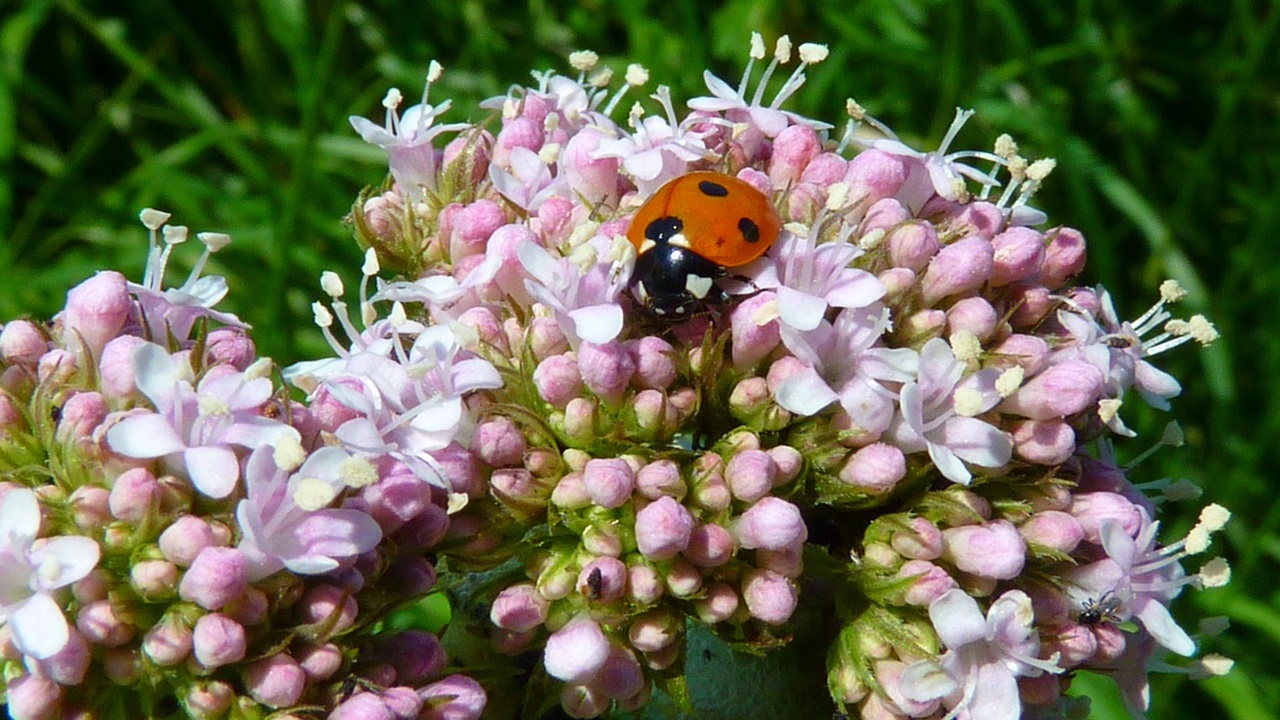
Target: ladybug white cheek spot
(698, 286)
(680, 241)
(647, 245)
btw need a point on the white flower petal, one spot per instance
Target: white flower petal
(19, 518)
(597, 324)
(144, 436)
(805, 392)
(62, 560)
(213, 470)
(39, 627)
(800, 310)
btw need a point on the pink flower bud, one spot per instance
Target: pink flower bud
(251, 608)
(168, 643)
(275, 681)
(653, 414)
(770, 597)
(958, 268)
(328, 604)
(403, 702)
(888, 674)
(883, 215)
(583, 701)
(621, 675)
(606, 369)
(1019, 252)
(134, 496)
(644, 586)
(56, 367)
(923, 325)
(82, 413)
(183, 541)
(654, 630)
(982, 219)
(89, 506)
(68, 665)
(558, 380)
(912, 245)
(362, 706)
(1053, 529)
(115, 367)
(931, 582)
(602, 580)
(517, 132)
(319, 662)
(710, 545)
(34, 697)
(1111, 643)
(1031, 304)
(663, 528)
(576, 651)
(825, 169)
(22, 342)
(788, 462)
(96, 311)
(499, 442)
(218, 640)
(750, 396)
(580, 420)
(897, 283)
(519, 607)
(1075, 643)
(571, 493)
(660, 478)
(781, 369)
(754, 324)
(718, 603)
(654, 361)
(208, 700)
(1029, 352)
(100, 624)
(1062, 389)
(973, 314)
(1063, 258)
(793, 149)
(545, 337)
(683, 579)
(216, 577)
(992, 550)
(772, 523)
(875, 469)
(787, 561)
(154, 579)
(230, 346)
(922, 542)
(1092, 508)
(750, 475)
(1049, 442)
(608, 482)
(874, 175)
(473, 225)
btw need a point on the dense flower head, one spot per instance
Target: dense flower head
(903, 402)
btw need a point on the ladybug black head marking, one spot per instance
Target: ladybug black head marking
(663, 229)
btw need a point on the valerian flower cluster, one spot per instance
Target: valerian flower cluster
(908, 404)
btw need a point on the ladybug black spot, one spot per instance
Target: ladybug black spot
(663, 229)
(750, 231)
(713, 189)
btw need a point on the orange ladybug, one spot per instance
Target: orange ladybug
(692, 230)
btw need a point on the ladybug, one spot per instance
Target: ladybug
(690, 233)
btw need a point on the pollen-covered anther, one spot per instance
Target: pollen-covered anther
(321, 315)
(392, 99)
(370, 267)
(1010, 380)
(872, 240)
(837, 196)
(782, 50)
(1005, 147)
(357, 472)
(813, 53)
(398, 316)
(637, 75)
(1040, 169)
(1214, 665)
(601, 78)
(175, 234)
(313, 493)
(1197, 327)
(1171, 291)
(966, 346)
(288, 453)
(153, 219)
(854, 110)
(549, 153)
(331, 284)
(1215, 573)
(583, 60)
(757, 46)
(1109, 408)
(434, 70)
(214, 241)
(968, 402)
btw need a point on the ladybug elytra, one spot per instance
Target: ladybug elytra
(690, 232)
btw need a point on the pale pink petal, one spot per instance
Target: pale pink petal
(1156, 619)
(597, 324)
(926, 680)
(62, 560)
(39, 627)
(855, 288)
(995, 694)
(805, 392)
(157, 375)
(213, 470)
(948, 464)
(977, 442)
(957, 619)
(19, 518)
(800, 310)
(144, 436)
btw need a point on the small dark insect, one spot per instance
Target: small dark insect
(56, 413)
(1099, 610)
(706, 654)
(1118, 342)
(595, 583)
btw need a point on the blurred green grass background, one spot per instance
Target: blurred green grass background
(1164, 116)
